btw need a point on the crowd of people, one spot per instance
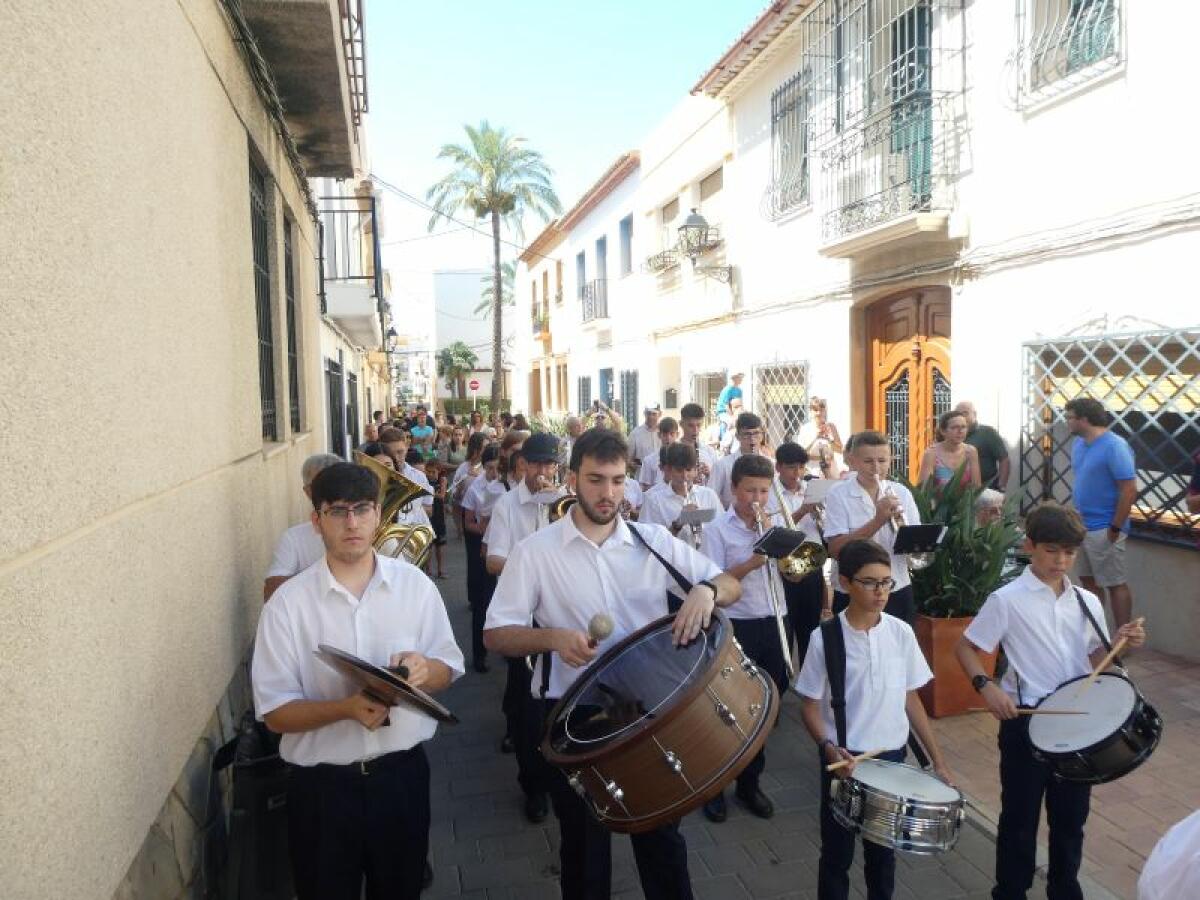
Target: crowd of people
(557, 529)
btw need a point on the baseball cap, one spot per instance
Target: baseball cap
(541, 447)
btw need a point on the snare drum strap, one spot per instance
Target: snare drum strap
(1083, 608)
(835, 669)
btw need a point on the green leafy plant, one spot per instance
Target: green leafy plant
(972, 560)
(556, 425)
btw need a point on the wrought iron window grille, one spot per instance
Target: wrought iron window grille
(781, 398)
(1061, 44)
(289, 289)
(791, 123)
(260, 231)
(594, 295)
(1149, 381)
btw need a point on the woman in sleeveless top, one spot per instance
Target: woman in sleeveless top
(945, 457)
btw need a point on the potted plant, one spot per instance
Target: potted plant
(972, 561)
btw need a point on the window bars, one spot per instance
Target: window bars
(585, 394)
(781, 399)
(289, 289)
(1150, 384)
(1062, 44)
(791, 105)
(629, 396)
(260, 233)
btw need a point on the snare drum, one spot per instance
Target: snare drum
(651, 731)
(1117, 735)
(898, 806)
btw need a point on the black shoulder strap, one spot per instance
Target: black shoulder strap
(835, 668)
(683, 583)
(1083, 608)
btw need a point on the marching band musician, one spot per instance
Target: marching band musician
(691, 424)
(397, 443)
(301, 545)
(750, 436)
(518, 514)
(809, 601)
(588, 562)
(650, 473)
(477, 504)
(866, 507)
(666, 500)
(358, 794)
(729, 542)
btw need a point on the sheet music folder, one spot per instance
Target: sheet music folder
(918, 538)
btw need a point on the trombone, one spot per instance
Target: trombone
(776, 603)
(810, 556)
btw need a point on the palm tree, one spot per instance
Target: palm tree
(453, 364)
(508, 279)
(495, 177)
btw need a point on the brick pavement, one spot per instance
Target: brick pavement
(482, 847)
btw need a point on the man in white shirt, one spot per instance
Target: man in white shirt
(666, 501)
(882, 669)
(301, 545)
(477, 503)
(691, 424)
(750, 437)
(1043, 622)
(729, 542)
(358, 793)
(643, 440)
(864, 507)
(650, 473)
(590, 562)
(517, 515)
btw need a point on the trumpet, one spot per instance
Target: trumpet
(810, 556)
(776, 603)
(916, 561)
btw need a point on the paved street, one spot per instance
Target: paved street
(484, 848)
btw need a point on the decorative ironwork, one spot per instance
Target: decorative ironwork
(662, 261)
(289, 291)
(791, 108)
(629, 394)
(585, 393)
(723, 274)
(697, 237)
(350, 246)
(1149, 382)
(1060, 45)
(594, 296)
(335, 401)
(260, 234)
(897, 401)
(781, 398)
(941, 397)
(352, 408)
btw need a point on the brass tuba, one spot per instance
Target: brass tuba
(809, 557)
(397, 493)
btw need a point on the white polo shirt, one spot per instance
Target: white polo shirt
(482, 495)
(728, 542)
(400, 610)
(721, 479)
(794, 500)
(560, 578)
(633, 493)
(708, 456)
(515, 516)
(848, 507)
(298, 548)
(1046, 639)
(651, 472)
(662, 506)
(883, 664)
(414, 474)
(644, 442)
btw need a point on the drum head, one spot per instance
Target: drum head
(905, 781)
(1108, 702)
(632, 684)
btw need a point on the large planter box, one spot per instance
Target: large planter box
(950, 693)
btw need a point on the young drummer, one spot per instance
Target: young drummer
(729, 542)
(664, 502)
(883, 669)
(1042, 621)
(651, 473)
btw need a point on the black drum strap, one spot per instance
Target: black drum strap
(835, 668)
(673, 602)
(1083, 608)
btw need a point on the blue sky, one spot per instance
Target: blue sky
(583, 82)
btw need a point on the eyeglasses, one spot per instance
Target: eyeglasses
(876, 584)
(359, 510)
(750, 434)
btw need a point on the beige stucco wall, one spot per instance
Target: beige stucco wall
(140, 500)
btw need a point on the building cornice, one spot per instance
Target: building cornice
(550, 237)
(753, 42)
(625, 166)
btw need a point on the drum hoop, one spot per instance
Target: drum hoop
(1139, 702)
(682, 701)
(866, 788)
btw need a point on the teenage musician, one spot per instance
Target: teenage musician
(750, 436)
(691, 425)
(664, 502)
(650, 473)
(301, 545)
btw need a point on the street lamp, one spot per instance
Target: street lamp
(695, 237)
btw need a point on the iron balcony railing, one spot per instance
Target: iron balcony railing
(348, 232)
(594, 296)
(540, 322)
(354, 47)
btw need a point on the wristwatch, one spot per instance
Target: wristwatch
(709, 584)
(979, 682)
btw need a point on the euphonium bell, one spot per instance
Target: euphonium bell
(562, 506)
(809, 557)
(395, 493)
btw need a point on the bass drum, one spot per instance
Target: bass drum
(651, 731)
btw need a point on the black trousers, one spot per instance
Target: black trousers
(837, 850)
(760, 641)
(900, 604)
(1023, 783)
(585, 849)
(804, 600)
(480, 586)
(345, 825)
(523, 721)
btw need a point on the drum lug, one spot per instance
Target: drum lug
(726, 671)
(673, 762)
(577, 783)
(755, 709)
(726, 714)
(614, 791)
(749, 667)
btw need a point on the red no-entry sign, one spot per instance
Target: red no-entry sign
(473, 384)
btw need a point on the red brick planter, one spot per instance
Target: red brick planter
(950, 693)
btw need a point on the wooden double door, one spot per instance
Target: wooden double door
(908, 371)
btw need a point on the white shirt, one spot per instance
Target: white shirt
(561, 579)
(728, 542)
(298, 548)
(848, 507)
(414, 474)
(633, 493)
(721, 479)
(1046, 638)
(708, 456)
(463, 477)
(400, 610)
(482, 495)
(883, 664)
(662, 506)
(651, 472)
(644, 442)
(1173, 869)
(794, 500)
(809, 438)
(515, 516)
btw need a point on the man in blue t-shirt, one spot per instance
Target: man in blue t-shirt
(731, 391)
(422, 432)
(1105, 488)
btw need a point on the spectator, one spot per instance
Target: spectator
(731, 391)
(951, 454)
(989, 507)
(574, 426)
(993, 452)
(821, 440)
(371, 433)
(421, 430)
(1105, 488)
(644, 441)
(520, 423)
(475, 422)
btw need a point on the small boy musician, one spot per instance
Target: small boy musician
(665, 502)
(1052, 632)
(859, 695)
(691, 424)
(750, 436)
(650, 473)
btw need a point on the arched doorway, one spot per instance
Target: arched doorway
(908, 371)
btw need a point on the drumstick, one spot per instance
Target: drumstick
(1104, 663)
(1053, 712)
(599, 628)
(870, 754)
